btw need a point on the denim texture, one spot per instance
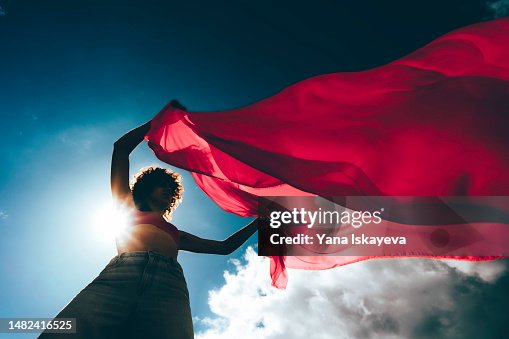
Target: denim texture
(137, 295)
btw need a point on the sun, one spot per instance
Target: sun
(109, 220)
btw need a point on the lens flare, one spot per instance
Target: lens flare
(109, 221)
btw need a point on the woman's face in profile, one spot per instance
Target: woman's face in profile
(161, 195)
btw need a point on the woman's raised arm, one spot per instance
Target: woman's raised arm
(120, 162)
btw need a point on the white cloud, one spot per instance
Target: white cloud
(2, 11)
(488, 271)
(395, 298)
(498, 8)
(3, 215)
(81, 139)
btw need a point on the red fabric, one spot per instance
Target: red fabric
(434, 122)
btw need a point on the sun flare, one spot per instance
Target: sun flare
(109, 220)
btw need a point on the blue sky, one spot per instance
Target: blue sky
(75, 75)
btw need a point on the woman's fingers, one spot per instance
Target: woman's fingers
(175, 103)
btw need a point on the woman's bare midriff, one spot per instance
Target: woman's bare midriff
(146, 237)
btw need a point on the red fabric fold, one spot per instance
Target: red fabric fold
(433, 123)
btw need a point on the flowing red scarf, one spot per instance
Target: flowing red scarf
(433, 123)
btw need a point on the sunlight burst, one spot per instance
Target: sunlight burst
(108, 221)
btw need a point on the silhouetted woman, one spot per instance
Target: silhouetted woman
(142, 292)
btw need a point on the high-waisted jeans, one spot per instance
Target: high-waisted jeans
(137, 295)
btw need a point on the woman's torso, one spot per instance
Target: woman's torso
(148, 233)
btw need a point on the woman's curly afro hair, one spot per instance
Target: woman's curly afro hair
(151, 177)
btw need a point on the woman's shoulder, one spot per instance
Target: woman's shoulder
(142, 216)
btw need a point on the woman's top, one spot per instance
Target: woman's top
(141, 217)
